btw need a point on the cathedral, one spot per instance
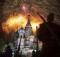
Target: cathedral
(26, 37)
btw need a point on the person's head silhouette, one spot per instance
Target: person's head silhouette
(8, 47)
(50, 18)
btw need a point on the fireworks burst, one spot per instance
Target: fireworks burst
(15, 22)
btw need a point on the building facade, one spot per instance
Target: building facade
(26, 37)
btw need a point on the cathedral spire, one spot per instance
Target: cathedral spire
(29, 18)
(28, 23)
(28, 27)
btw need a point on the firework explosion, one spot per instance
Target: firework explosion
(14, 22)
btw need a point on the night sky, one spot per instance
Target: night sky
(44, 7)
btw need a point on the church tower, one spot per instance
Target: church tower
(28, 27)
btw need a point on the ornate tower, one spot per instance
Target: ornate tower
(28, 27)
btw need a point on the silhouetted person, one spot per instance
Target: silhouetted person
(39, 53)
(33, 53)
(48, 37)
(16, 54)
(8, 52)
(1, 54)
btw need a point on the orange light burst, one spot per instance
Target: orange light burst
(15, 22)
(34, 26)
(35, 22)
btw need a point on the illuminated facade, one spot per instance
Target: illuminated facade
(26, 36)
(28, 28)
(27, 41)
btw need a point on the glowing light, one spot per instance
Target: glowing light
(24, 7)
(14, 23)
(34, 26)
